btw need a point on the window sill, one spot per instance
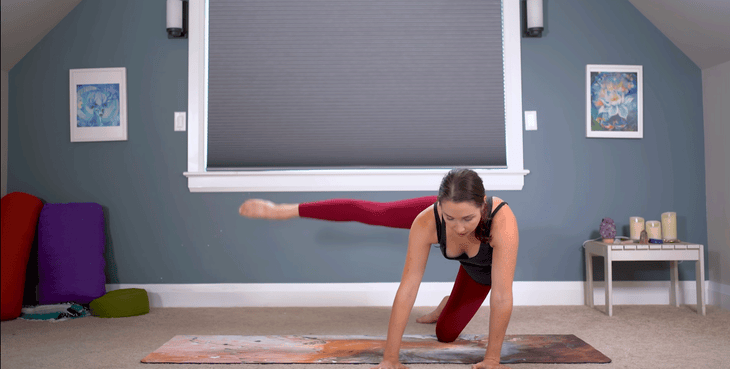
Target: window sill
(343, 180)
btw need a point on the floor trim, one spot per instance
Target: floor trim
(719, 295)
(430, 294)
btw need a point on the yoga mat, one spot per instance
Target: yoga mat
(468, 349)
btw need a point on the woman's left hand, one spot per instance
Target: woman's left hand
(489, 365)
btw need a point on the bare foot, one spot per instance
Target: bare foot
(264, 209)
(433, 316)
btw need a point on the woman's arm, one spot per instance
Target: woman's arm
(505, 241)
(421, 236)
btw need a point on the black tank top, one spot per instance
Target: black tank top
(479, 267)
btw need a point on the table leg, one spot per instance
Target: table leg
(589, 280)
(700, 276)
(609, 283)
(674, 288)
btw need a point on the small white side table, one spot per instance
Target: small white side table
(671, 252)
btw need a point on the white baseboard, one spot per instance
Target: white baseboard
(719, 295)
(382, 294)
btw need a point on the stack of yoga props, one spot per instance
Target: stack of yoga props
(71, 263)
(468, 349)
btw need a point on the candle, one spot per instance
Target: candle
(654, 229)
(636, 225)
(669, 225)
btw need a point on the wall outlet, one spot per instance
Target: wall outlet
(180, 120)
(530, 121)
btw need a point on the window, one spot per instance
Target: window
(201, 179)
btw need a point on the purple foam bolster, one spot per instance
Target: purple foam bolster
(71, 253)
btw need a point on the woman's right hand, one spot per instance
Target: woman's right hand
(387, 364)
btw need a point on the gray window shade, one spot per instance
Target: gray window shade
(366, 84)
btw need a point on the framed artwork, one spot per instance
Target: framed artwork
(614, 101)
(98, 104)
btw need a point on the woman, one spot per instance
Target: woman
(478, 231)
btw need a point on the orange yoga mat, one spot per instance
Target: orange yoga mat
(468, 349)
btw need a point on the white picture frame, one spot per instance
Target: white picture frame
(98, 104)
(614, 101)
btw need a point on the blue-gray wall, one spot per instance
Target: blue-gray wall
(159, 232)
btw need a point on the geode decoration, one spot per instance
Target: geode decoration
(608, 228)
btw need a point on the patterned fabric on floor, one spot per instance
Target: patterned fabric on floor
(468, 349)
(54, 312)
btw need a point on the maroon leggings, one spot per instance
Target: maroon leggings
(466, 296)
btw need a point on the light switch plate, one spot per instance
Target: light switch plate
(530, 121)
(180, 120)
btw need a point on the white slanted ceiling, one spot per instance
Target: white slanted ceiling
(25, 22)
(700, 28)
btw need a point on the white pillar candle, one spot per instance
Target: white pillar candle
(669, 225)
(636, 225)
(654, 229)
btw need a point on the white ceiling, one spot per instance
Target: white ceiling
(700, 28)
(23, 23)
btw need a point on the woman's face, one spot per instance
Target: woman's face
(462, 217)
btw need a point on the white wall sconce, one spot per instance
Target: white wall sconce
(177, 19)
(533, 18)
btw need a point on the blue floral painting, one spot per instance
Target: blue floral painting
(98, 105)
(614, 101)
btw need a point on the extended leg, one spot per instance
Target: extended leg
(466, 298)
(396, 214)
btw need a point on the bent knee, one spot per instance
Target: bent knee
(446, 335)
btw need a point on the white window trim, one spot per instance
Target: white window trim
(326, 180)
